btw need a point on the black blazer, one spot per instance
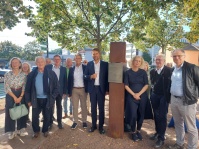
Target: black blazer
(62, 79)
(166, 75)
(71, 79)
(103, 76)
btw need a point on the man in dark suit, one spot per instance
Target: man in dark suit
(160, 97)
(60, 71)
(96, 74)
(77, 88)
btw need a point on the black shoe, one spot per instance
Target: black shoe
(101, 131)
(159, 143)
(134, 137)
(84, 125)
(139, 136)
(35, 135)
(92, 129)
(60, 126)
(74, 126)
(154, 136)
(45, 134)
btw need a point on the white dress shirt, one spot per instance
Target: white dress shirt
(78, 76)
(97, 71)
(57, 71)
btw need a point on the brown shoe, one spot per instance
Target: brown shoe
(35, 135)
(65, 116)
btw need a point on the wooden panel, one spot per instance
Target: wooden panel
(118, 52)
(116, 94)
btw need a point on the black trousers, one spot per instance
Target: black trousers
(41, 106)
(58, 102)
(97, 98)
(9, 123)
(160, 109)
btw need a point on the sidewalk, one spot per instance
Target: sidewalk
(26, 142)
(80, 138)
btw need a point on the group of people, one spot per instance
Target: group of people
(177, 86)
(47, 84)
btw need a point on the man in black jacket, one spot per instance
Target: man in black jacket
(160, 82)
(184, 96)
(40, 93)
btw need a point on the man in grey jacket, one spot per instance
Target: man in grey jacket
(184, 96)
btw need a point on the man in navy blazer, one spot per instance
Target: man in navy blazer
(77, 88)
(96, 74)
(60, 71)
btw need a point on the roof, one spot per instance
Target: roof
(191, 47)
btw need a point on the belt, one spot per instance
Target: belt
(177, 96)
(16, 89)
(78, 87)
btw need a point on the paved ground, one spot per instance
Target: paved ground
(80, 138)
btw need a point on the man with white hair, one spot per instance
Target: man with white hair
(160, 97)
(40, 93)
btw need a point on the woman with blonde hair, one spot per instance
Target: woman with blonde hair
(136, 84)
(26, 68)
(14, 84)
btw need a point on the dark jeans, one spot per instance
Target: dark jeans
(41, 106)
(9, 123)
(59, 110)
(97, 97)
(160, 109)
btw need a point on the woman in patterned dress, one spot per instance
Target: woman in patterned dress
(14, 84)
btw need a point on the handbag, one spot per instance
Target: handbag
(18, 111)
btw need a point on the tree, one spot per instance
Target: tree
(191, 11)
(79, 23)
(147, 57)
(31, 50)
(165, 30)
(11, 11)
(9, 50)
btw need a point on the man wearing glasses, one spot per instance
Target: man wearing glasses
(184, 96)
(160, 97)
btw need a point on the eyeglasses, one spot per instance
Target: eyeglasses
(179, 56)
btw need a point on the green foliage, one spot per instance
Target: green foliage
(11, 11)
(56, 51)
(191, 11)
(164, 30)
(9, 50)
(74, 24)
(31, 50)
(147, 57)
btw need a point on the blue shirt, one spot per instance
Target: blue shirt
(176, 82)
(39, 86)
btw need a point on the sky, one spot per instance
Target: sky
(17, 34)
